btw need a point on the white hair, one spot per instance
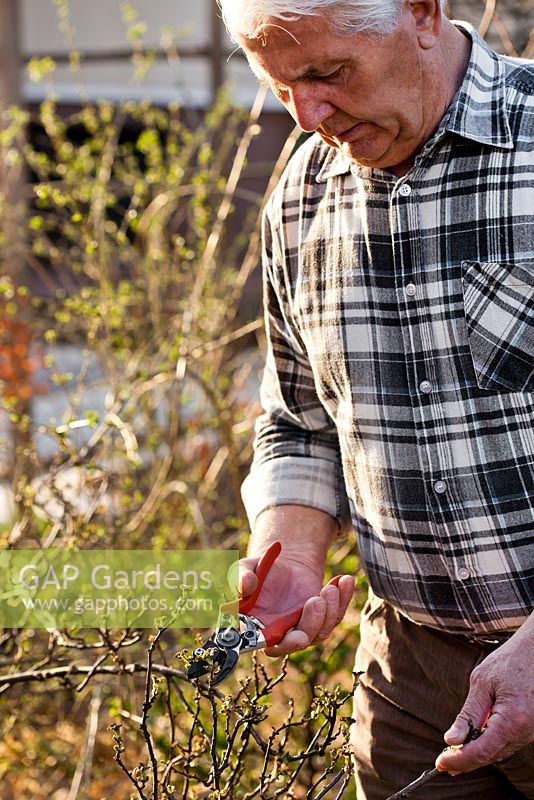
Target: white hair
(249, 17)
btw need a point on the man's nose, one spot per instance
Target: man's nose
(309, 107)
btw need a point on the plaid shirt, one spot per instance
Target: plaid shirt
(400, 363)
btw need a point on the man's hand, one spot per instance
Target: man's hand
(296, 578)
(504, 682)
(292, 582)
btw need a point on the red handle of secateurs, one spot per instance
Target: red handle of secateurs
(276, 630)
(485, 721)
(263, 566)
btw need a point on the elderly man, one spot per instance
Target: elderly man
(399, 292)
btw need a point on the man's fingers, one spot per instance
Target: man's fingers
(313, 615)
(337, 599)
(346, 590)
(247, 582)
(331, 595)
(248, 579)
(310, 624)
(474, 712)
(493, 744)
(319, 617)
(459, 730)
(471, 755)
(291, 643)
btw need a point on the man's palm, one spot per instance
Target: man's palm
(286, 588)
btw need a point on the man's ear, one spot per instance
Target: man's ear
(427, 16)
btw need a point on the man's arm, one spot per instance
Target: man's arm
(504, 682)
(296, 448)
(296, 578)
(295, 491)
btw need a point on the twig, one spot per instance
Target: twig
(227, 339)
(407, 791)
(250, 259)
(206, 263)
(83, 767)
(505, 36)
(90, 674)
(118, 751)
(150, 696)
(216, 771)
(343, 786)
(335, 780)
(475, 731)
(487, 17)
(528, 52)
(73, 669)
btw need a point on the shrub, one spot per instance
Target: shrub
(132, 254)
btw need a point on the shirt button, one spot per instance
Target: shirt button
(410, 289)
(405, 189)
(426, 388)
(440, 487)
(462, 574)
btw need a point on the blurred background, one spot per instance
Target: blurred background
(170, 51)
(199, 62)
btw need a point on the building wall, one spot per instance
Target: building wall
(99, 31)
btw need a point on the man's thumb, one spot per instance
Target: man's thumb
(473, 714)
(247, 580)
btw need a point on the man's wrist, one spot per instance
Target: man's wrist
(302, 530)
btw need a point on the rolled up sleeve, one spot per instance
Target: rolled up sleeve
(296, 448)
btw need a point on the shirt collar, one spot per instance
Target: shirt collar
(334, 163)
(478, 111)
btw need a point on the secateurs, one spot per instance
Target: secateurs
(241, 633)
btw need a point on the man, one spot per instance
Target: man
(399, 292)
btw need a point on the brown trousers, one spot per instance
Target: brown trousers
(415, 680)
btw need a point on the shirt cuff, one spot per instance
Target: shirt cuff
(300, 481)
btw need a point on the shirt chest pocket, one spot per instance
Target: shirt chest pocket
(499, 310)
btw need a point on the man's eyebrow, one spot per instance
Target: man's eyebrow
(310, 72)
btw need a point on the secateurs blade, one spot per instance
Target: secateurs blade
(238, 633)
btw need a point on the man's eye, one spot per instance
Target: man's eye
(282, 92)
(331, 75)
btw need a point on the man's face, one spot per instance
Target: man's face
(367, 96)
